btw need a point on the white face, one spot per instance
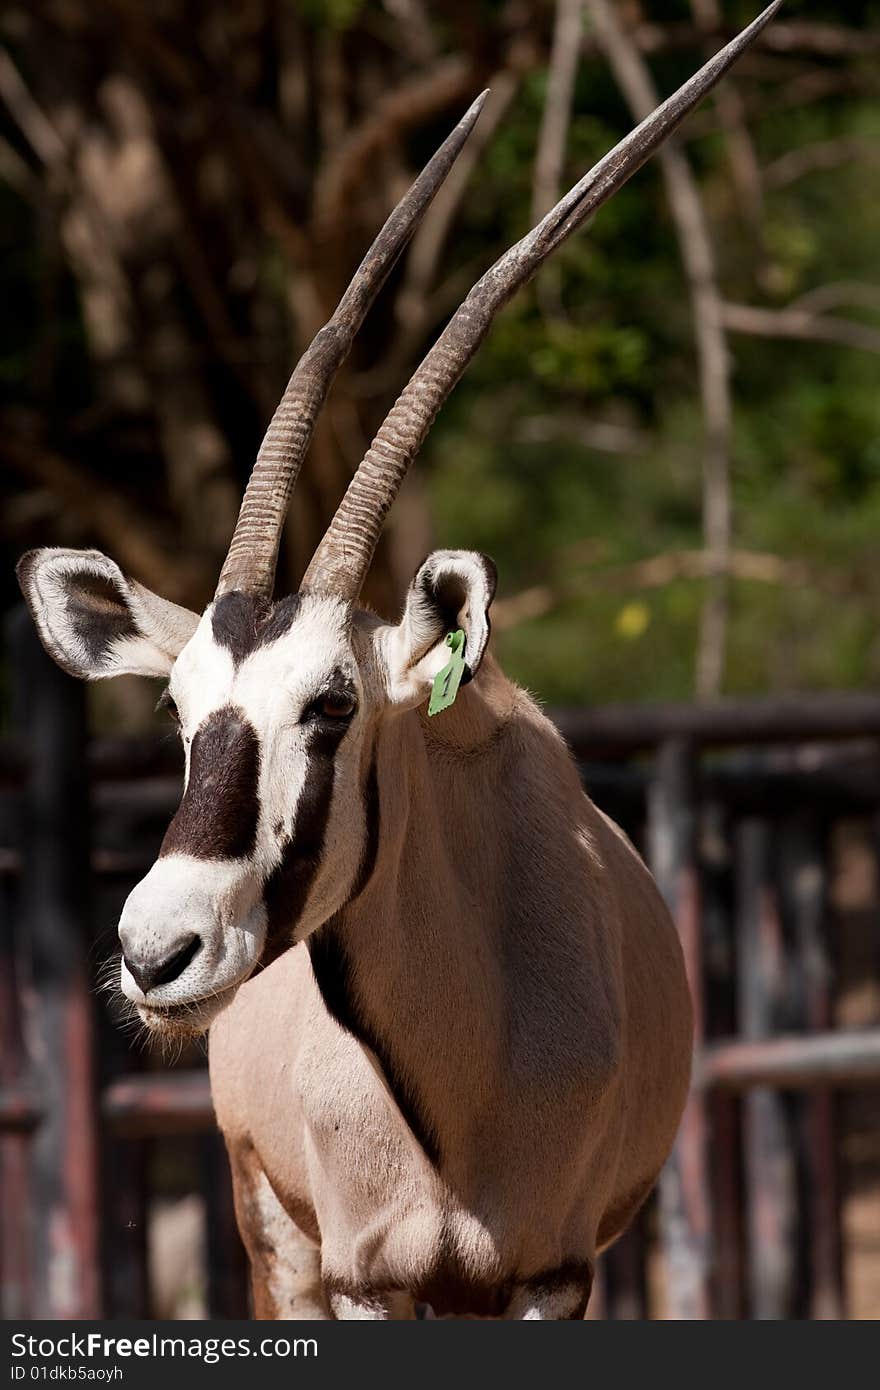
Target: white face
(278, 709)
(268, 839)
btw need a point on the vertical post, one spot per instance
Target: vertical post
(125, 1228)
(227, 1263)
(49, 709)
(684, 1187)
(768, 1159)
(806, 879)
(15, 1197)
(716, 863)
(124, 1205)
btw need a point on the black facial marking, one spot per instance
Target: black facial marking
(280, 620)
(288, 885)
(334, 978)
(97, 613)
(242, 623)
(234, 622)
(218, 816)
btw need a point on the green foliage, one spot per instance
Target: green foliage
(606, 336)
(613, 341)
(331, 14)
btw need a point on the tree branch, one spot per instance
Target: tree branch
(34, 125)
(821, 156)
(800, 326)
(656, 573)
(106, 514)
(807, 87)
(699, 262)
(17, 173)
(730, 106)
(856, 293)
(414, 305)
(353, 161)
(413, 25)
(826, 40)
(255, 171)
(553, 135)
(822, 40)
(606, 436)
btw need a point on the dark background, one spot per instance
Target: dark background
(186, 188)
(670, 444)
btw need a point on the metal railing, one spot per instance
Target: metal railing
(761, 782)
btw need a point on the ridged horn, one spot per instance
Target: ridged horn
(342, 559)
(253, 551)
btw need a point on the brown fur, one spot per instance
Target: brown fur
(514, 957)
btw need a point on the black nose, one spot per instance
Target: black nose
(150, 973)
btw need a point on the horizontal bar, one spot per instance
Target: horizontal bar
(178, 1102)
(106, 863)
(793, 1063)
(831, 715)
(109, 759)
(115, 758)
(843, 779)
(614, 729)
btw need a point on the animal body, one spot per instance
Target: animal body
(450, 1027)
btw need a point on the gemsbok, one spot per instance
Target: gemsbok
(461, 1063)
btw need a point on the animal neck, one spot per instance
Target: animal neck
(481, 954)
(412, 964)
(480, 715)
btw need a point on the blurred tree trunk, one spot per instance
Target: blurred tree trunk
(200, 182)
(213, 176)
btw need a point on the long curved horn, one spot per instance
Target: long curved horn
(253, 550)
(341, 562)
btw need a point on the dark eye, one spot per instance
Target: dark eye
(336, 707)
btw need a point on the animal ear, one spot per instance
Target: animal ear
(96, 622)
(452, 590)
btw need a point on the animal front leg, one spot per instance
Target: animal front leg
(285, 1263)
(559, 1294)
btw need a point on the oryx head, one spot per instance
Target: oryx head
(278, 703)
(277, 706)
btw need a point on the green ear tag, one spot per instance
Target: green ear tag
(447, 681)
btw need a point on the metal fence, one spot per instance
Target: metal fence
(733, 804)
